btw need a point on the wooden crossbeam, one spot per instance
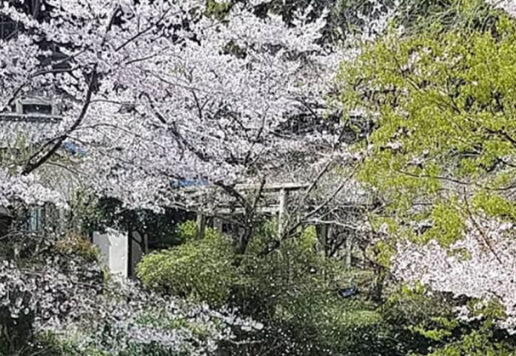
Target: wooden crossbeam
(274, 187)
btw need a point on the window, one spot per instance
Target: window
(36, 217)
(35, 106)
(45, 109)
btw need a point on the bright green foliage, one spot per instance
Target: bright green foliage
(442, 147)
(477, 343)
(447, 224)
(308, 239)
(292, 289)
(216, 9)
(188, 231)
(494, 204)
(419, 319)
(491, 309)
(443, 103)
(198, 269)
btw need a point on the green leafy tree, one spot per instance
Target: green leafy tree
(442, 103)
(440, 100)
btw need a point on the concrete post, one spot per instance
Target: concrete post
(201, 226)
(283, 196)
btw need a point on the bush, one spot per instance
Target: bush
(293, 270)
(42, 290)
(202, 270)
(73, 244)
(477, 343)
(292, 290)
(56, 301)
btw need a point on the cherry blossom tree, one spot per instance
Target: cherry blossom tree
(63, 291)
(507, 5)
(479, 266)
(158, 92)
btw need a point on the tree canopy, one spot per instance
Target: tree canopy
(351, 165)
(441, 153)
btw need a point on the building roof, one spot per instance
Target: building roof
(30, 129)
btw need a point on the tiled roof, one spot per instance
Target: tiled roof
(28, 128)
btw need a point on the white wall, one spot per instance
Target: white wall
(113, 247)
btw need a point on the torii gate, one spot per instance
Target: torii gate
(281, 189)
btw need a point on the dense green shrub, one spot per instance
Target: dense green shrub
(198, 269)
(292, 289)
(477, 343)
